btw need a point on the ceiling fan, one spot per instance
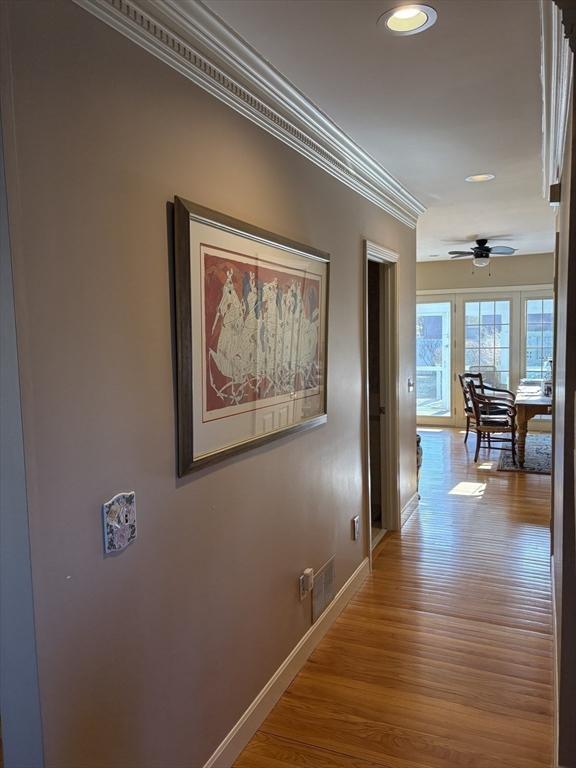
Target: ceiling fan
(481, 252)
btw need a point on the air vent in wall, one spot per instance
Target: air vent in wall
(323, 590)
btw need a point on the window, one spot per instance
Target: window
(433, 379)
(539, 337)
(487, 340)
(506, 334)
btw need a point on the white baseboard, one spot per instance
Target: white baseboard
(377, 538)
(409, 508)
(254, 716)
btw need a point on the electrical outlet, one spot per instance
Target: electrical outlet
(356, 527)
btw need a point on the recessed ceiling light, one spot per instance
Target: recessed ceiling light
(406, 13)
(408, 19)
(480, 177)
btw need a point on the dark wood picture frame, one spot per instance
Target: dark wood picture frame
(185, 212)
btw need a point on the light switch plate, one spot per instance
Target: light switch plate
(119, 521)
(356, 527)
(306, 582)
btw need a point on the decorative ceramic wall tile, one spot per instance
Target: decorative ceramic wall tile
(119, 519)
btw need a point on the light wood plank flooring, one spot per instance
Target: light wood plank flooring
(444, 658)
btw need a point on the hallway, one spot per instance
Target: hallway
(444, 657)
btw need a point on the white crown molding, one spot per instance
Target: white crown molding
(377, 252)
(536, 288)
(192, 40)
(556, 76)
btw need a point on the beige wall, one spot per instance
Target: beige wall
(535, 269)
(148, 658)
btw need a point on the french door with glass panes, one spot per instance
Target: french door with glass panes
(457, 333)
(434, 349)
(487, 339)
(538, 336)
(506, 335)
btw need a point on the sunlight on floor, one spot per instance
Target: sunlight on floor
(486, 465)
(468, 489)
(429, 429)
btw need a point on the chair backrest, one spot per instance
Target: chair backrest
(473, 391)
(476, 378)
(467, 379)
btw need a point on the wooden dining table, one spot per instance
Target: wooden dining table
(530, 401)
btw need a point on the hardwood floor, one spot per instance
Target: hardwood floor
(444, 658)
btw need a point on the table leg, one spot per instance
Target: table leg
(522, 422)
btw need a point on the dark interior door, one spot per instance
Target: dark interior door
(374, 392)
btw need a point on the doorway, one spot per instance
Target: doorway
(376, 397)
(381, 393)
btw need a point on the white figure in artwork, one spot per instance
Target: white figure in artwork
(249, 342)
(231, 314)
(266, 341)
(293, 312)
(252, 296)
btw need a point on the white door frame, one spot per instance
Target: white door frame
(391, 384)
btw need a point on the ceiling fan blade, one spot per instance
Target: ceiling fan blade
(470, 239)
(460, 253)
(502, 249)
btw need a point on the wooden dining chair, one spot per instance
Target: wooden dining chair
(477, 380)
(494, 420)
(468, 405)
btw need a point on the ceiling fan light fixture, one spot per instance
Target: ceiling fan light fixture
(480, 261)
(479, 177)
(408, 19)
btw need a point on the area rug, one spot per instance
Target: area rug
(538, 458)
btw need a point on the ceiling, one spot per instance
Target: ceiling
(461, 98)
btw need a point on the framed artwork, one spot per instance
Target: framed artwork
(251, 335)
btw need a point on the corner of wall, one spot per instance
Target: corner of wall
(19, 691)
